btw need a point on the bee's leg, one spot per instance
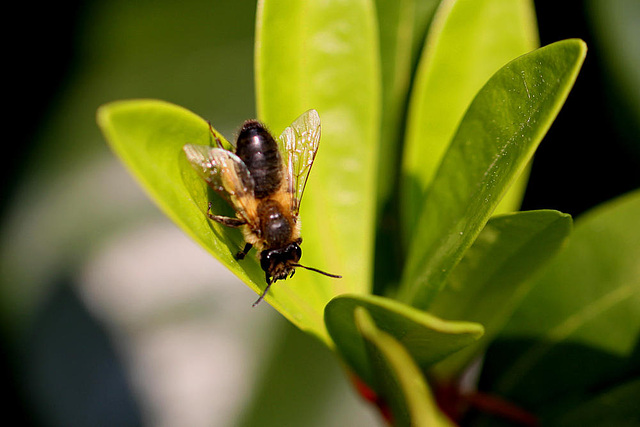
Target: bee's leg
(225, 220)
(269, 283)
(228, 221)
(218, 142)
(240, 255)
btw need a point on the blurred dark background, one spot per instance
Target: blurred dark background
(592, 151)
(67, 59)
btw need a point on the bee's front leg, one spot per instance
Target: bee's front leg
(240, 255)
(225, 220)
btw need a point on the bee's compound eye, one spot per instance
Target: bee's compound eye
(294, 252)
(265, 260)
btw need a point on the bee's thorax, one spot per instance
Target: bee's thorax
(276, 226)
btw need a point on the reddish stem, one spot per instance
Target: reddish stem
(369, 395)
(455, 404)
(495, 405)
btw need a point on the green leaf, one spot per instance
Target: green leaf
(496, 274)
(396, 21)
(495, 141)
(324, 55)
(580, 323)
(427, 338)
(397, 379)
(424, 11)
(617, 406)
(148, 136)
(468, 41)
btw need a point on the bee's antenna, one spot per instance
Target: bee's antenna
(269, 283)
(318, 271)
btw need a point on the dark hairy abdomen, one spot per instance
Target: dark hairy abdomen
(275, 227)
(259, 151)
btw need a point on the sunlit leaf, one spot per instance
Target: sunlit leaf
(148, 136)
(324, 55)
(494, 143)
(468, 41)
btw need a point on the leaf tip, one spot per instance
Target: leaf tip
(102, 115)
(581, 47)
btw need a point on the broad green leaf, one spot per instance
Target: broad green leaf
(617, 406)
(396, 377)
(468, 41)
(148, 136)
(427, 338)
(324, 55)
(496, 274)
(580, 323)
(494, 142)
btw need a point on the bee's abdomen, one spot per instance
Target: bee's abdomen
(259, 151)
(275, 226)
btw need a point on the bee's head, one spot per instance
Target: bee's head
(282, 262)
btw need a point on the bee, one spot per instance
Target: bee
(263, 181)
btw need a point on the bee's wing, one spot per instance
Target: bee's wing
(298, 145)
(227, 174)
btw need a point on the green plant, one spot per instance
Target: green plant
(477, 104)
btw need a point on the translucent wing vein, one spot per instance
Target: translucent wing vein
(298, 145)
(225, 173)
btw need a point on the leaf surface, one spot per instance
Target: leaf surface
(468, 41)
(325, 56)
(427, 338)
(579, 325)
(148, 136)
(493, 144)
(496, 273)
(397, 379)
